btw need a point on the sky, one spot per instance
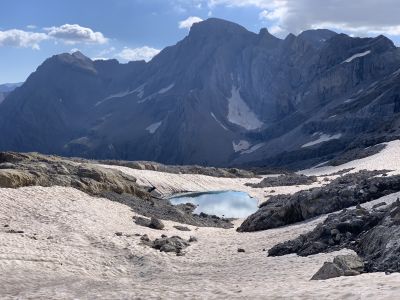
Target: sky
(33, 30)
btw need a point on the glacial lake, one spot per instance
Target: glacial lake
(228, 204)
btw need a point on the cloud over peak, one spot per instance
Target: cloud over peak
(366, 17)
(188, 23)
(143, 53)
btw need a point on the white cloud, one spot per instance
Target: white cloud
(142, 53)
(187, 24)
(31, 26)
(367, 17)
(74, 34)
(21, 39)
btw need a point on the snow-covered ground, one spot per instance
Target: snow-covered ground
(69, 250)
(387, 159)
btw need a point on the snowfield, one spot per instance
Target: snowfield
(240, 114)
(387, 159)
(69, 249)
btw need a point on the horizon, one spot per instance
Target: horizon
(138, 30)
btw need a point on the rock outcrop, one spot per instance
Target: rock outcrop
(374, 234)
(345, 191)
(284, 180)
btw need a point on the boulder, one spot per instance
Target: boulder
(156, 224)
(182, 228)
(327, 271)
(342, 265)
(349, 263)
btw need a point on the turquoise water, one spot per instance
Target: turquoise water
(229, 204)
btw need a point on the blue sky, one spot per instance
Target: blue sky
(31, 31)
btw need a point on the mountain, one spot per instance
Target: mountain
(221, 96)
(6, 89)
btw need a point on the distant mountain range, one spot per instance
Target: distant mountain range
(6, 89)
(221, 96)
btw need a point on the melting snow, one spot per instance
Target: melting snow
(322, 138)
(153, 127)
(240, 114)
(219, 122)
(242, 145)
(358, 55)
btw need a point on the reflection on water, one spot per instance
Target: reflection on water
(229, 204)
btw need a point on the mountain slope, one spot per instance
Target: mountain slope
(221, 96)
(6, 89)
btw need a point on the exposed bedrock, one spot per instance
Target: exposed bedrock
(374, 234)
(284, 180)
(343, 192)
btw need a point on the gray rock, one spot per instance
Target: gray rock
(156, 224)
(182, 228)
(349, 263)
(192, 239)
(327, 271)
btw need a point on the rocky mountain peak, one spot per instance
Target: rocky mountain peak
(216, 27)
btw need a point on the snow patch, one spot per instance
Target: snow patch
(113, 96)
(160, 92)
(140, 91)
(240, 114)
(242, 145)
(322, 139)
(218, 121)
(358, 55)
(254, 148)
(166, 89)
(153, 127)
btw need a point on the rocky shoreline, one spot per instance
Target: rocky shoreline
(21, 170)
